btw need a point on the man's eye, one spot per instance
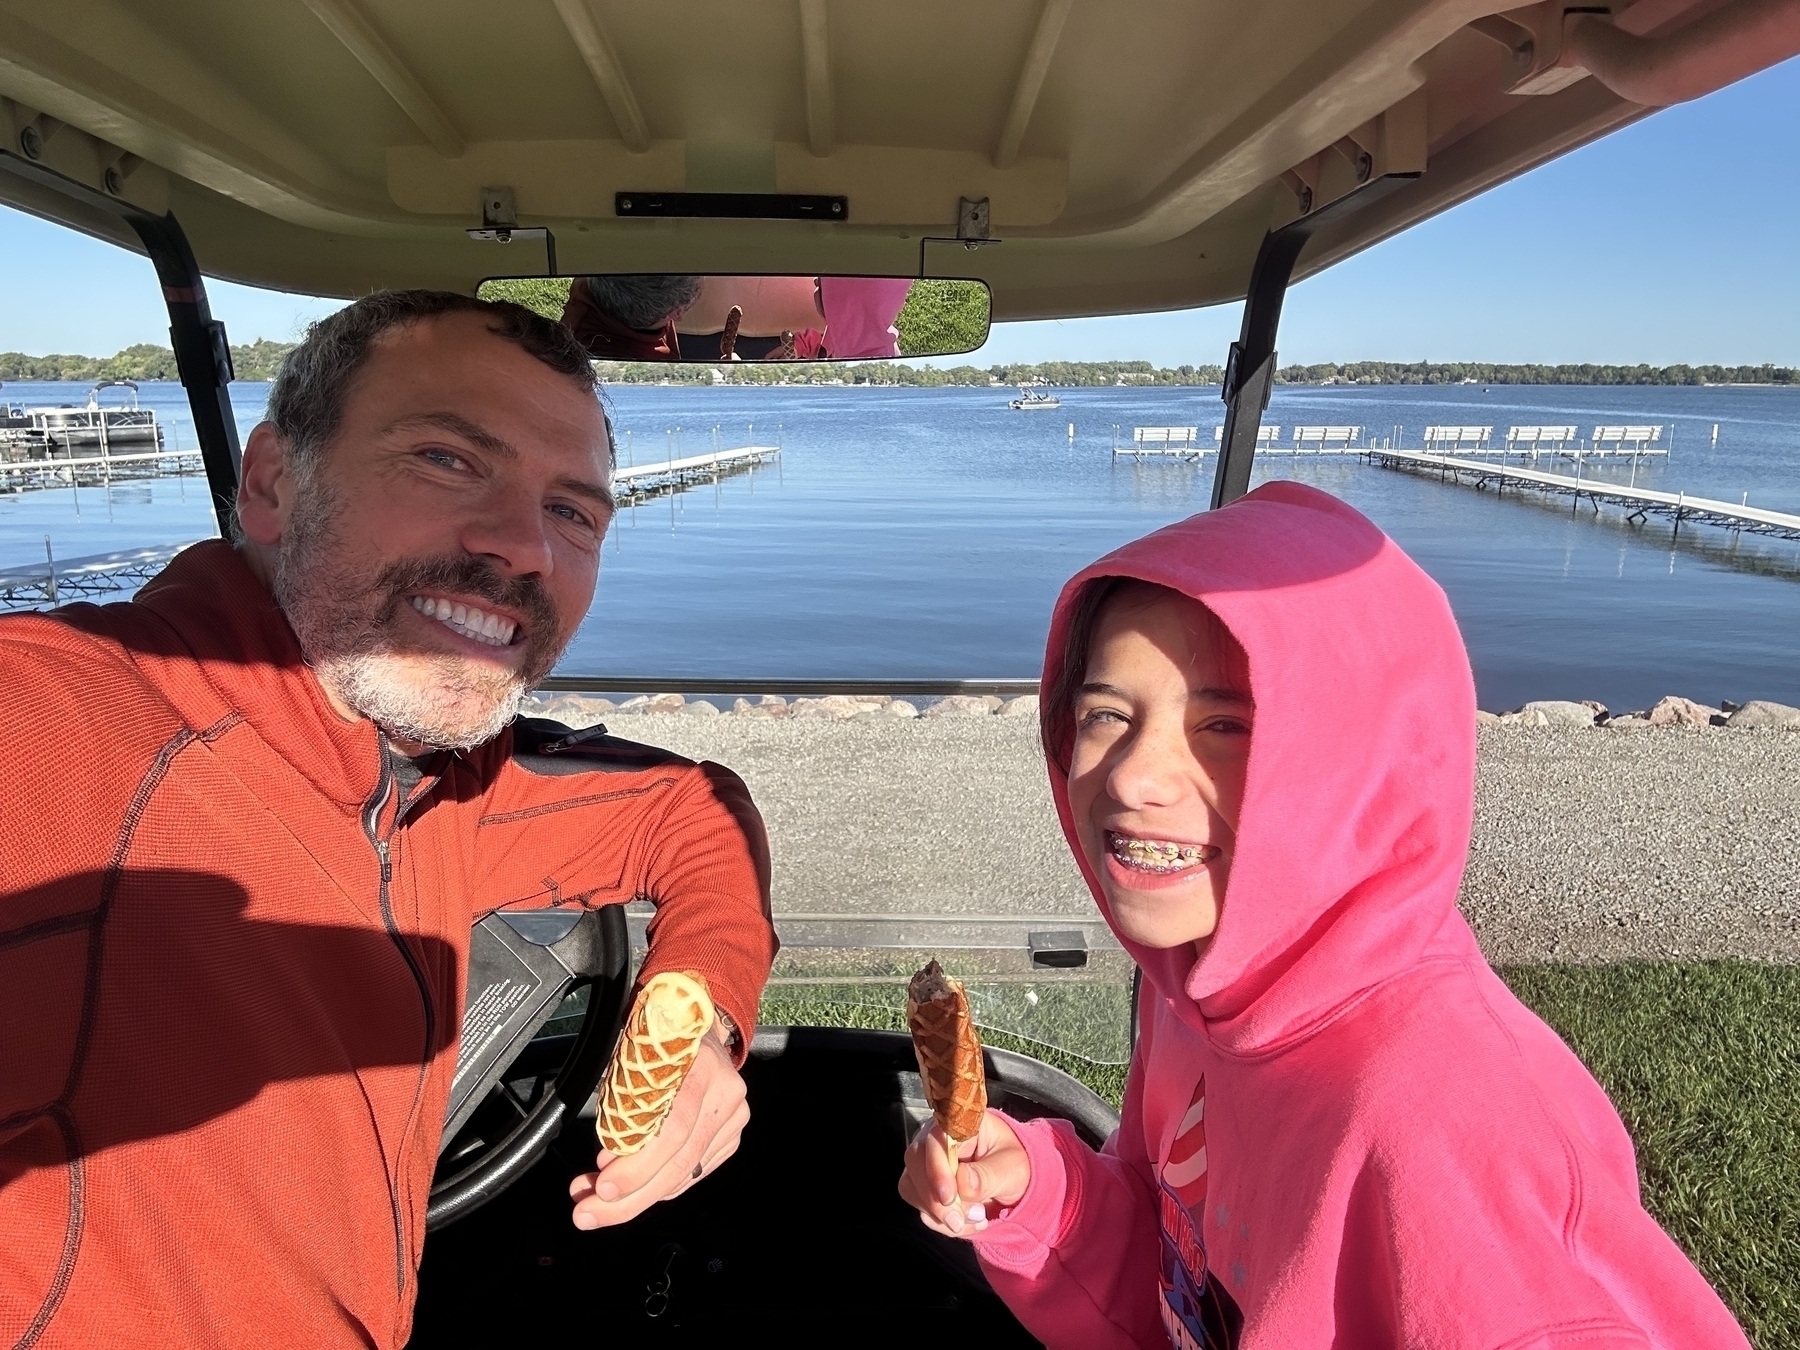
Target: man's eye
(444, 459)
(571, 514)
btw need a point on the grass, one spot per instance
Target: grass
(1702, 1060)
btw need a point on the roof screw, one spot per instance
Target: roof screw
(1306, 200)
(31, 141)
(624, 203)
(1364, 167)
(115, 181)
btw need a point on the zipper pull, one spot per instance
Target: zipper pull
(387, 867)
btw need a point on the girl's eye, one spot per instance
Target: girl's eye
(1229, 726)
(1094, 716)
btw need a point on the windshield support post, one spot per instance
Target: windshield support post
(202, 355)
(1250, 366)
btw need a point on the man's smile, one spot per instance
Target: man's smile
(468, 620)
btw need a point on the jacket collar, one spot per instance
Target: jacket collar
(232, 629)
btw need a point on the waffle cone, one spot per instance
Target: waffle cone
(949, 1052)
(661, 1040)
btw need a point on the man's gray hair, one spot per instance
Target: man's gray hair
(307, 403)
(642, 301)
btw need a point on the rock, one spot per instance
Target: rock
(900, 708)
(1681, 712)
(1025, 705)
(1600, 713)
(1525, 717)
(1486, 719)
(837, 707)
(775, 703)
(1727, 707)
(1628, 721)
(665, 703)
(961, 705)
(1561, 713)
(994, 702)
(634, 705)
(699, 708)
(1759, 712)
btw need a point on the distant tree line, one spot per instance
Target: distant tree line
(259, 360)
(145, 361)
(1484, 372)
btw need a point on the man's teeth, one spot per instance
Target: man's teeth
(1157, 855)
(467, 620)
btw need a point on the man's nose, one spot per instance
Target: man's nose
(513, 532)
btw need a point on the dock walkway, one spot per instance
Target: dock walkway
(639, 482)
(1637, 502)
(56, 581)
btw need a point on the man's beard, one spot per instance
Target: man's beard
(348, 626)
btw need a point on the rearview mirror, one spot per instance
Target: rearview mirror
(712, 319)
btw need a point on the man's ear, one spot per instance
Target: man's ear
(265, 492)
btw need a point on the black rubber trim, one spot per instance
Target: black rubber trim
(1060, 1094)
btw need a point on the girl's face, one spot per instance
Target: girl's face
(1156, 777)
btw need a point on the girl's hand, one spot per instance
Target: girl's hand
(993, 1172)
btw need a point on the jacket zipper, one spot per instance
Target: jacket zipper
(372, 828)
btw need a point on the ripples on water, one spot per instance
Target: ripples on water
(913, 532)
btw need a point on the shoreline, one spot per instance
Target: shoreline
(583, 710)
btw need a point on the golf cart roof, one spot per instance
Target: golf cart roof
(1133, 157)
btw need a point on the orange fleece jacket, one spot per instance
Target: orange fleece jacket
(225, 1044)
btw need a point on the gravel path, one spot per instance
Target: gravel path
(1590, 845)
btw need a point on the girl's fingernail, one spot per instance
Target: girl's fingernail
(953, 1221)
(976, 1213)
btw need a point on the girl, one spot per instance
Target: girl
(1340, 1128)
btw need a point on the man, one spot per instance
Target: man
(248, 821)
(629, 317)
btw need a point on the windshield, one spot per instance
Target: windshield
(891, 540)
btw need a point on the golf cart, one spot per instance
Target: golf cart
(1062, 160)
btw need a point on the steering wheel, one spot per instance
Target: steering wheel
(522, 965)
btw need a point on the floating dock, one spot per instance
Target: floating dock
(1636, 502)
(103, 470)
(58, 581)
(641, 482)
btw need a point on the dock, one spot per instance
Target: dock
(102, 470)
(58, 581)
(641, 482)
(1636, 502)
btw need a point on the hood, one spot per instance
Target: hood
(1360, 788)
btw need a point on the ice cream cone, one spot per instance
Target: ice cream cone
(660, 1042)
(949, 1053)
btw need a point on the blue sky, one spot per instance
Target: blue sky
(1673, 240)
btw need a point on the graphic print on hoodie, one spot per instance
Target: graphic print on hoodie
(1197, 1312)
(1398, 1151)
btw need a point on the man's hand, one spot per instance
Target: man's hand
(701, 1131)
(993, 1171)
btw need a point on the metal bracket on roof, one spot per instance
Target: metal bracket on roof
(500, 225)
(972, 217)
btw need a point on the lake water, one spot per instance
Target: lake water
(926, 532)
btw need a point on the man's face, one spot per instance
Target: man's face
(437, 558)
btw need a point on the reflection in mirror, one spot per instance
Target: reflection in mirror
(711, 319)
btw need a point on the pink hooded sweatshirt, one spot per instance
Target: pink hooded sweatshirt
(1340, 1127)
